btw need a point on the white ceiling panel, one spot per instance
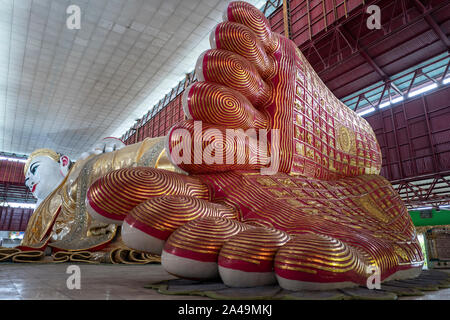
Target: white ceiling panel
(66, 89)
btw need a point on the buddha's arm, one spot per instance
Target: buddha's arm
(147, 153)
(63, 202)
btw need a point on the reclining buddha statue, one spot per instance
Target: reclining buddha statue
(269, 179)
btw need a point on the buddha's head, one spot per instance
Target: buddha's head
(44, 171)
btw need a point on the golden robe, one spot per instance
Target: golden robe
(61, 220)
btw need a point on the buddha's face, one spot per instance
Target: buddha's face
(45, 174)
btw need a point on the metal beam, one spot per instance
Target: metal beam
(286, 19)
(427, 194)
(429, 19)
(417, 19)
(353, 44)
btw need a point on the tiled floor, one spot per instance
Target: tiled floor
(101, 282)
(443, 294)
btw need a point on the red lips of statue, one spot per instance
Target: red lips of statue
(34, 187)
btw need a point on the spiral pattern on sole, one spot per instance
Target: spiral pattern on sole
(218, 104)
(246, 14)
(234, 71)
(240, 39)
(197, 147)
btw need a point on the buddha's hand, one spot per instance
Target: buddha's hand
(108, 144)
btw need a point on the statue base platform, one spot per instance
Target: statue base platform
(429, 280)
(114, 256)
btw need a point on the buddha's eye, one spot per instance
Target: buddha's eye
(33, 168)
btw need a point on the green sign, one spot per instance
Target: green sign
(438, 218)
